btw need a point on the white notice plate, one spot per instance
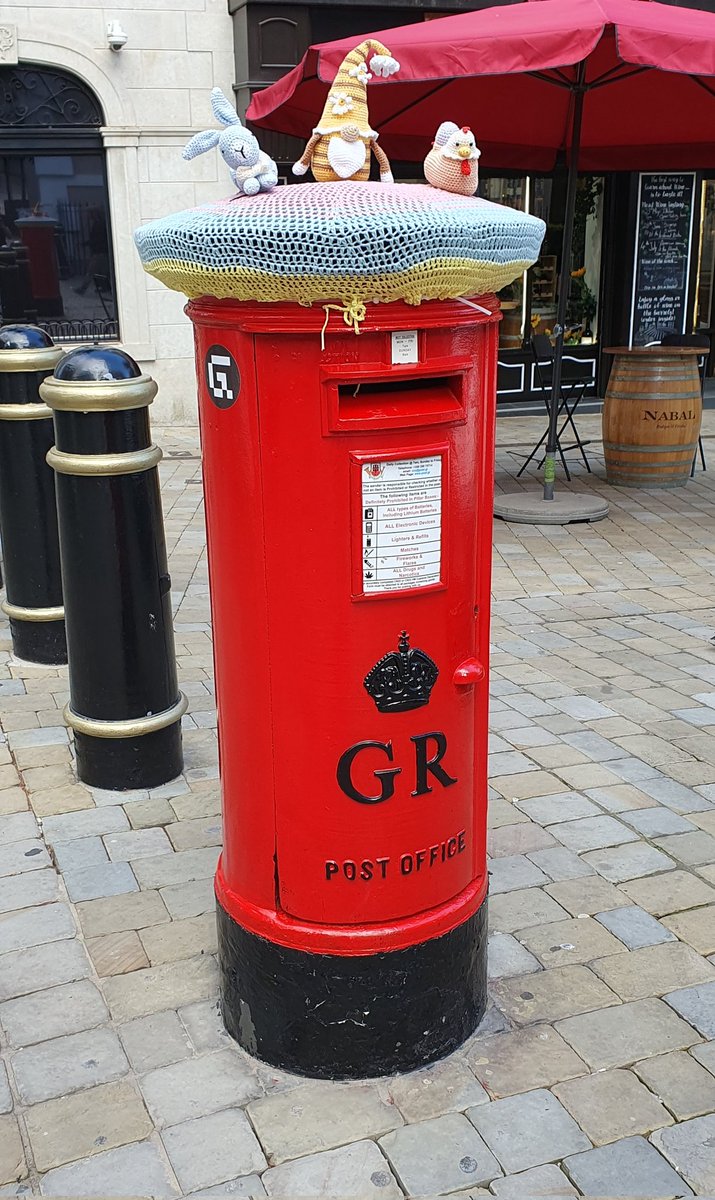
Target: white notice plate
(401, 524)
(404, 346)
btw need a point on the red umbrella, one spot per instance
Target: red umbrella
(610, 84)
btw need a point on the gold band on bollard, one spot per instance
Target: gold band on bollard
(133, 727)
(41, 359)
(25, 412)
(127, 463)
(98, 396)
(17, 612)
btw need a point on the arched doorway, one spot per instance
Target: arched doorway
(56, 267)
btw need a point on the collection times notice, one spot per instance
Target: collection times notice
(401, 524)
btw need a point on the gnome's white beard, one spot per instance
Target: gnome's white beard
(346, 158)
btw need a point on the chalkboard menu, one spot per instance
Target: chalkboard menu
(662, 263)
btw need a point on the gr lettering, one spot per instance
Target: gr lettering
(429, 750)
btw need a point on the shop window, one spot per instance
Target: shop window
(514, 192)
(56, 266)
(547, 200)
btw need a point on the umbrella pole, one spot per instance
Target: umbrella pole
(545, 508)
(564, 283)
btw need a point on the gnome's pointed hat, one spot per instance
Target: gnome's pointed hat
(347, 100)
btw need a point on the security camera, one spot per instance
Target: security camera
(116, 37)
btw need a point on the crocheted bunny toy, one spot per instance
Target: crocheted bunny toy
(251, 170)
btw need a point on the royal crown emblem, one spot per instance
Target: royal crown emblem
(403, 679)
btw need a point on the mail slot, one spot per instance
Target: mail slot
(404, 401)
(348, 508)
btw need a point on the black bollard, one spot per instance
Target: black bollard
(28, 514)
(125, 706)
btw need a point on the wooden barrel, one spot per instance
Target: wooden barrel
(651, 417)
(510, 328)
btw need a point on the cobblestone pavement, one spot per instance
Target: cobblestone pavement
(594, 1070)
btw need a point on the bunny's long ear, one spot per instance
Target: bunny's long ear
(222, 110)
(200, 143)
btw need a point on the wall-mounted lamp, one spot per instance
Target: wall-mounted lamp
(116, 37)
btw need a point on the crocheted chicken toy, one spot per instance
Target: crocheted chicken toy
(452, 163)
(342, 140)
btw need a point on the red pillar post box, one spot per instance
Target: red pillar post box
(39, 235)
(348, 483)
(349, 509)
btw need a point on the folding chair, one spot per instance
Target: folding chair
(102, 286)
(699, 341)
(576, 376)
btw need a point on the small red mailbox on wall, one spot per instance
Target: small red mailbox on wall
(348, 483)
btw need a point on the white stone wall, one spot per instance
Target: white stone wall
(155, 95)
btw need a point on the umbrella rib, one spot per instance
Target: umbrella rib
(557, 79)
(559, 74)
(413, 104)
(612, 77)
(701, 83)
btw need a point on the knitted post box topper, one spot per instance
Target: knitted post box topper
(251, 170)
(453, 162)
(342, 140)
(357, 243)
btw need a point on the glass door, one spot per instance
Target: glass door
(548, 197)
(514, 192)
(704, 306)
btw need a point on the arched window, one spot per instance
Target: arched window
(56, 266)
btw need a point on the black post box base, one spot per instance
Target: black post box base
(335, 1017)
(124, 764)
(39, 642)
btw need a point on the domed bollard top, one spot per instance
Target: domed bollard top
(97, 364)
(27, 337)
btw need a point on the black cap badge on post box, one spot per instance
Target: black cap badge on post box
(402, 679)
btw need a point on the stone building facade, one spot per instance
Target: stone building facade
(153, 94)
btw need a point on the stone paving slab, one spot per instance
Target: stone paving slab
(634, 927)
(443, 1154)
(631, 1167)
(594, 1069)
(680, 1082)
(690, 1147)
(210, 1149)
(139, 1169)
(320, 1117)
(72, 1127)
(612, 1105)
(524, 1059)
(357, 1170)
(447, 1086)
(528, 1130)
(67, 1064)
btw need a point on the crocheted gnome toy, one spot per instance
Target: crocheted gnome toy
(452, 163)
(342, 140)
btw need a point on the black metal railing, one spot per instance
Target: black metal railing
(103, 329)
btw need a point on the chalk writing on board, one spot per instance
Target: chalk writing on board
(663, 242)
